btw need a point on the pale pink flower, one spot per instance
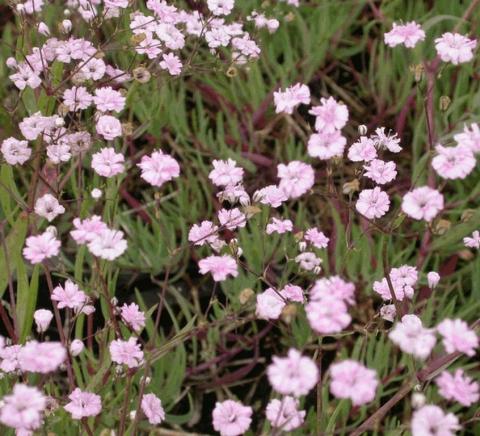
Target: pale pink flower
(269, 304)
(422, 203)
(284, 413)
(433, 278)
(412, 338)
(10, 356)
(453, 162)
(231, 418)
(286, 101)
(316, 238)
(373, 203)
(308, 261)
(455, 48)
(59, 152)
(363, 150)
(158, 168)
(220, 7)
(430, 420)
(109, 244)
(292, 293)
(333, 286)
(76, 347)
(171, 63)
(77, 98)
(458, 387)
(25, 77)
(69, 296)
(41, 247)
(107, 99)
(83, 404)
(458, 337)
(388, 312)
(153, 409)
(23, 408)
(126, 352)
(219, 266)
(92, 69)
(328, 315)
(15, 151)
(107, 163)
(380, 172)
(234, 194)
(279, 226)
(350, 379)
(470, 137)
(109, 127)
(232, 218)
(403, 280)
(326, 145)
(330, 115)
(43, 318)
(116, 4)
(408, 34)
(41, 357)
(296, 178)
(292, 375)
(48, 207)
(204, 233)
(270, 195)
(225, 172)
(472, 241)
(386, 140)
(88, 229)
(133, 316)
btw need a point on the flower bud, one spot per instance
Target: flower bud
(362, 129)
(418, 400)
(302, 245)
(433, 278)
(317, 270)
(96, 193)
(444, 102)
(52, 230)
(42, 318)
(76, 347)
(43, 29)
(11, 62)
(66, 26)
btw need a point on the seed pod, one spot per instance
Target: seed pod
(141, 75)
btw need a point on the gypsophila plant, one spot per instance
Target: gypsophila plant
(239, 217)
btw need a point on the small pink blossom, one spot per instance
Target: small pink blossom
(453, 162)
(458, 387)
(231, 418)
(326, 145)
(430, 420)
(220, 7)
(284, 413)
(328, 315)
(126, 352)
(422, 203)
(373, 203)
(77, 98)
(171, 63)
(292, 293)
(269, 304)
(109, 244)
(219, 266)
(271, 195)
(383, 140)
(470, 137)
(308, 261)
(455, 48)
(88, 229)
(108, 163)
(408, 34)
(106, 99)
(159, 168)
(433, 278)
(109, 127)
(330, 115)
(458, 337)
(41, 357)
(472, 241)
(153, 409)
(133, 316)
(333, 286)
(83, 404)
(316, 238)
(76, 347)
(232, 218)
(15, 151)
(296, 178)
(279, 226)
(69, 296)
(41, 247)
(350, 379)
(203, 233)
(225, 172)
(380, 172)
(363, 150)
(286, 101)
(48, 207)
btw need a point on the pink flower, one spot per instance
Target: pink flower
(109, 244)
(126, 352)
(83, 404)
(458, 387)
(292, 293)
(271, 195)
(269, 304)
(472, 241)
(386, 140)
(88, 229)
(220, 7)
(23, 408)
(455, 48)
(333, 286)
(286, 101)
(296, 178)
(362, 150)
(380, 172)
(133, 316)
(41, 357)
(457, 336)
(412, 337)
(330, 115)
(107, 99)
(352, 380)
(77, 98)
(388, 312)
(433, 278)
(403, 280)
(48, 207)
(373, 203)
(41, 247)
(292, 375)
(308, 261)
(231, 418)
(69, 296)
(470, 137)
(225, 172)
(234, 194)
(159, 168)
(43, 318)
(15, 151)
(430, 420)
(422, 203)
(326, 145)
(407, 34)
(231, 219)
(9, 356)
(328, 315)
(284, 413)
(153, 409)
(316, 238)
(171, 63)
(219, 266)
(109, 127)
(453, 162)
(107, 163)
(204, 233)
(279, 226)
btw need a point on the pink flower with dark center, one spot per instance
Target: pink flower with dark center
(108, 163)
(41, 247)
(220, 7)
(373, 203)
(126, 352)
(422, 203)
(153, 409)
(158, 168)
(458, 387)
(231, 418)
(430, 420)
(48, 207)
(83, 404)
(15, 151)
(284, 413)
(219, 266)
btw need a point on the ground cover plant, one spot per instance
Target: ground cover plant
(239, 217)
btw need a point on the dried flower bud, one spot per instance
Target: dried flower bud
(245, 296)
(444, 102)
(138, 38)
(289, 17)
(232, 72)
(441, 227)
(250, 211)
(465, 254)
(351, 187)
(141, 74)
(288, 313)
(417, 71)
(467, 215)
(127, 129)
(298, 236)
